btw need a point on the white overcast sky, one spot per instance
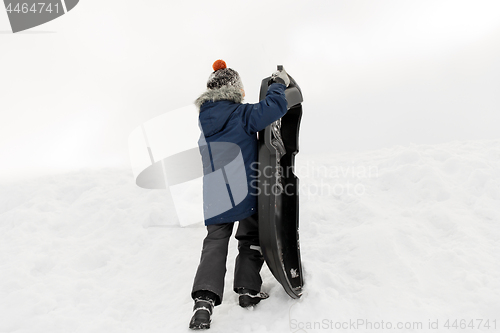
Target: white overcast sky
(374, 74)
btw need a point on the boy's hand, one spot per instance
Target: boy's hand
(280, 77)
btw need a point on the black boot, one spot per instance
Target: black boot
(202, 311)
(250, 297)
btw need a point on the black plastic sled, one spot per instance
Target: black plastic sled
(278, 199)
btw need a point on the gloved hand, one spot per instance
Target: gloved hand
(280, 77)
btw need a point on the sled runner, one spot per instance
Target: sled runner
(278, 199)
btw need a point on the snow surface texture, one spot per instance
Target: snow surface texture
(408, 234)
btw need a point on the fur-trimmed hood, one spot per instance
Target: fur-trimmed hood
(225, 93)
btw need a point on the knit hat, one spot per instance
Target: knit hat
(223, 76)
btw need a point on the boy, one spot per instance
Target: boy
(228, 146)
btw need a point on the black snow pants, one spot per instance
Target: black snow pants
(212, 267)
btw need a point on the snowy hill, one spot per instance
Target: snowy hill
(407, 234)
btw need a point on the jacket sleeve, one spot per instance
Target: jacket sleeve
(257, 116)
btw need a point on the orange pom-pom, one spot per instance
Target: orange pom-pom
(219, 64)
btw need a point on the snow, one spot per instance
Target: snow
(403, 234)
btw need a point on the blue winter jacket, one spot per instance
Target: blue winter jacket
(228, 146)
